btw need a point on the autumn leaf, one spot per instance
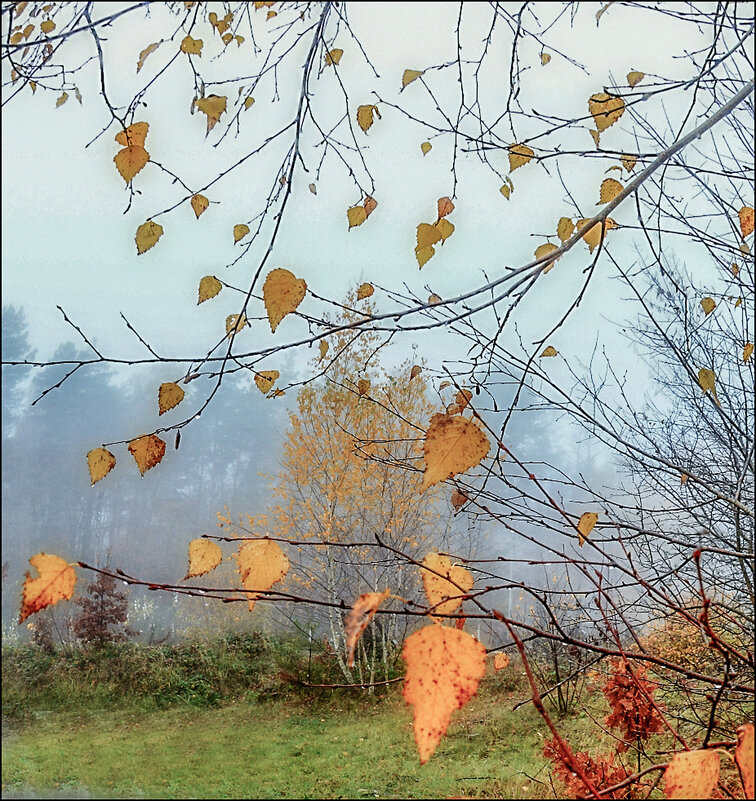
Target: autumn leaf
(747, 351)
(445, 228)
(364, 291)
(708, 305)
(609, 190)
(101, 461)
(47, 26)
(565, 228)
(444, 666)
(358, 618)
(415, 371)
(463, 398)
(452, 445)
(199, 204)
(545, 58)
(209, 287)
(61, 100)
(134, 135)
(634, 78)
(266, 379)
(282, 293)
(370, 204)
(409, 76)
(707, 381)
(433, 298)
(365, 116)
(249, 102)
(426, 148)
(146, 52)
(191, 46)
(169, 396)
(506, 190)
(313, 189)
(544, 250)
(458, 500)
(240, 231)
(592, 237)
(519, 155)
(261, 564)
(333, 56)
(55, 583)
(130, 161)
(363, 387)
(147, 236)
(629, 162)
(234, 324)
(356, 215)
(147, 451)
(427, 235)
(549, 350)
(605, 110)
(746, 218)
(204, 556)
(501, 660)
(692, 774)
(585, 526)
(323, 347)
(444, 592)
(212, 106)
(744, 757)
(684, 478)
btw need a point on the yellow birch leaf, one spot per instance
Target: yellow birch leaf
(15, 39)
(282, 293)
(333, 56)
(146, 52)
(746, 218)
(445, 591)
(550, 350)
(708, 305)
(204, 556)
(227, 37)
(265, 380)
(199, 204)
(744, 249)
(738, 302)
(629, 162)
(147, 236)
(744, 757)
(565, 228)
(100, 461)
(427, 235)
(634, 78)
(609, 190)
(209, 287)
(261, 564)
(506, 190)
(249, 102)
(134, 135)
(692, 774)
(596, 136)
(77, 94)
(452, 445)
(323, 348)
(519, 155)
(501, 661)
(545, 58)
(48, 26)
(444, 666)
(147, 451)
(605, 110)
(239, 40)
(356, 216)
(212, 106)
(55, 583)
(363, 387)
(735, 269)
(358, 618)
(130, 161)
(544, 250)
(424, 254)
(33, 85)
(747, 351)
(234, 324)
(191, 46)
(445, 228)
(707, 381)
(170, 395)
(365, 116)
(426, 148)
(240, 231)
(271, 14)
(61, 100)
(415, 371)
(19, 8)
(592, 237)
(585, 526)
(364, 291)
(409, 76)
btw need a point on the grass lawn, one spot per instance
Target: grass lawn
(278, 749)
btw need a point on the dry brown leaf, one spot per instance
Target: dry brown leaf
(234, 324)
(358, 618)
(545, 58)
(565, 228)
(204, 556)
(592, 237)
(147, 451)
(629, 162)
(445, 207)
(169, 396)
(747, 351)
(55, 583)
(323, 347)
(146, 52)
(746, 218)
(452, 445)
(433, 299)
(282, 293)
(261, 564)
(744, 757)
(415, 371)
(101, 461)
(444, 666)
(240, 231)
(458, 500)
(363, 387)
(370, 204)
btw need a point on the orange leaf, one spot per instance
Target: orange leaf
(585, 526)
(199, 204)
(130, 161)
(358, 618)
(101, 461)
(261, 563)
(55, 583)
(445, 591)
(204, 556)
(147, 451)
(370, 204)
(501, 660)
(415, 371)
(747, 351)
(744, 757)
(605, 110)
(445, 206)
(592, 237)
(458, 500)
(692, 774)
(363, 387)
(282, 293)
(444, 666)
(364, 291)
(169, 395)
(746, 217)
(463, 398)
(519, 155)
(452, 445)
(549, 350)
(134, 135)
